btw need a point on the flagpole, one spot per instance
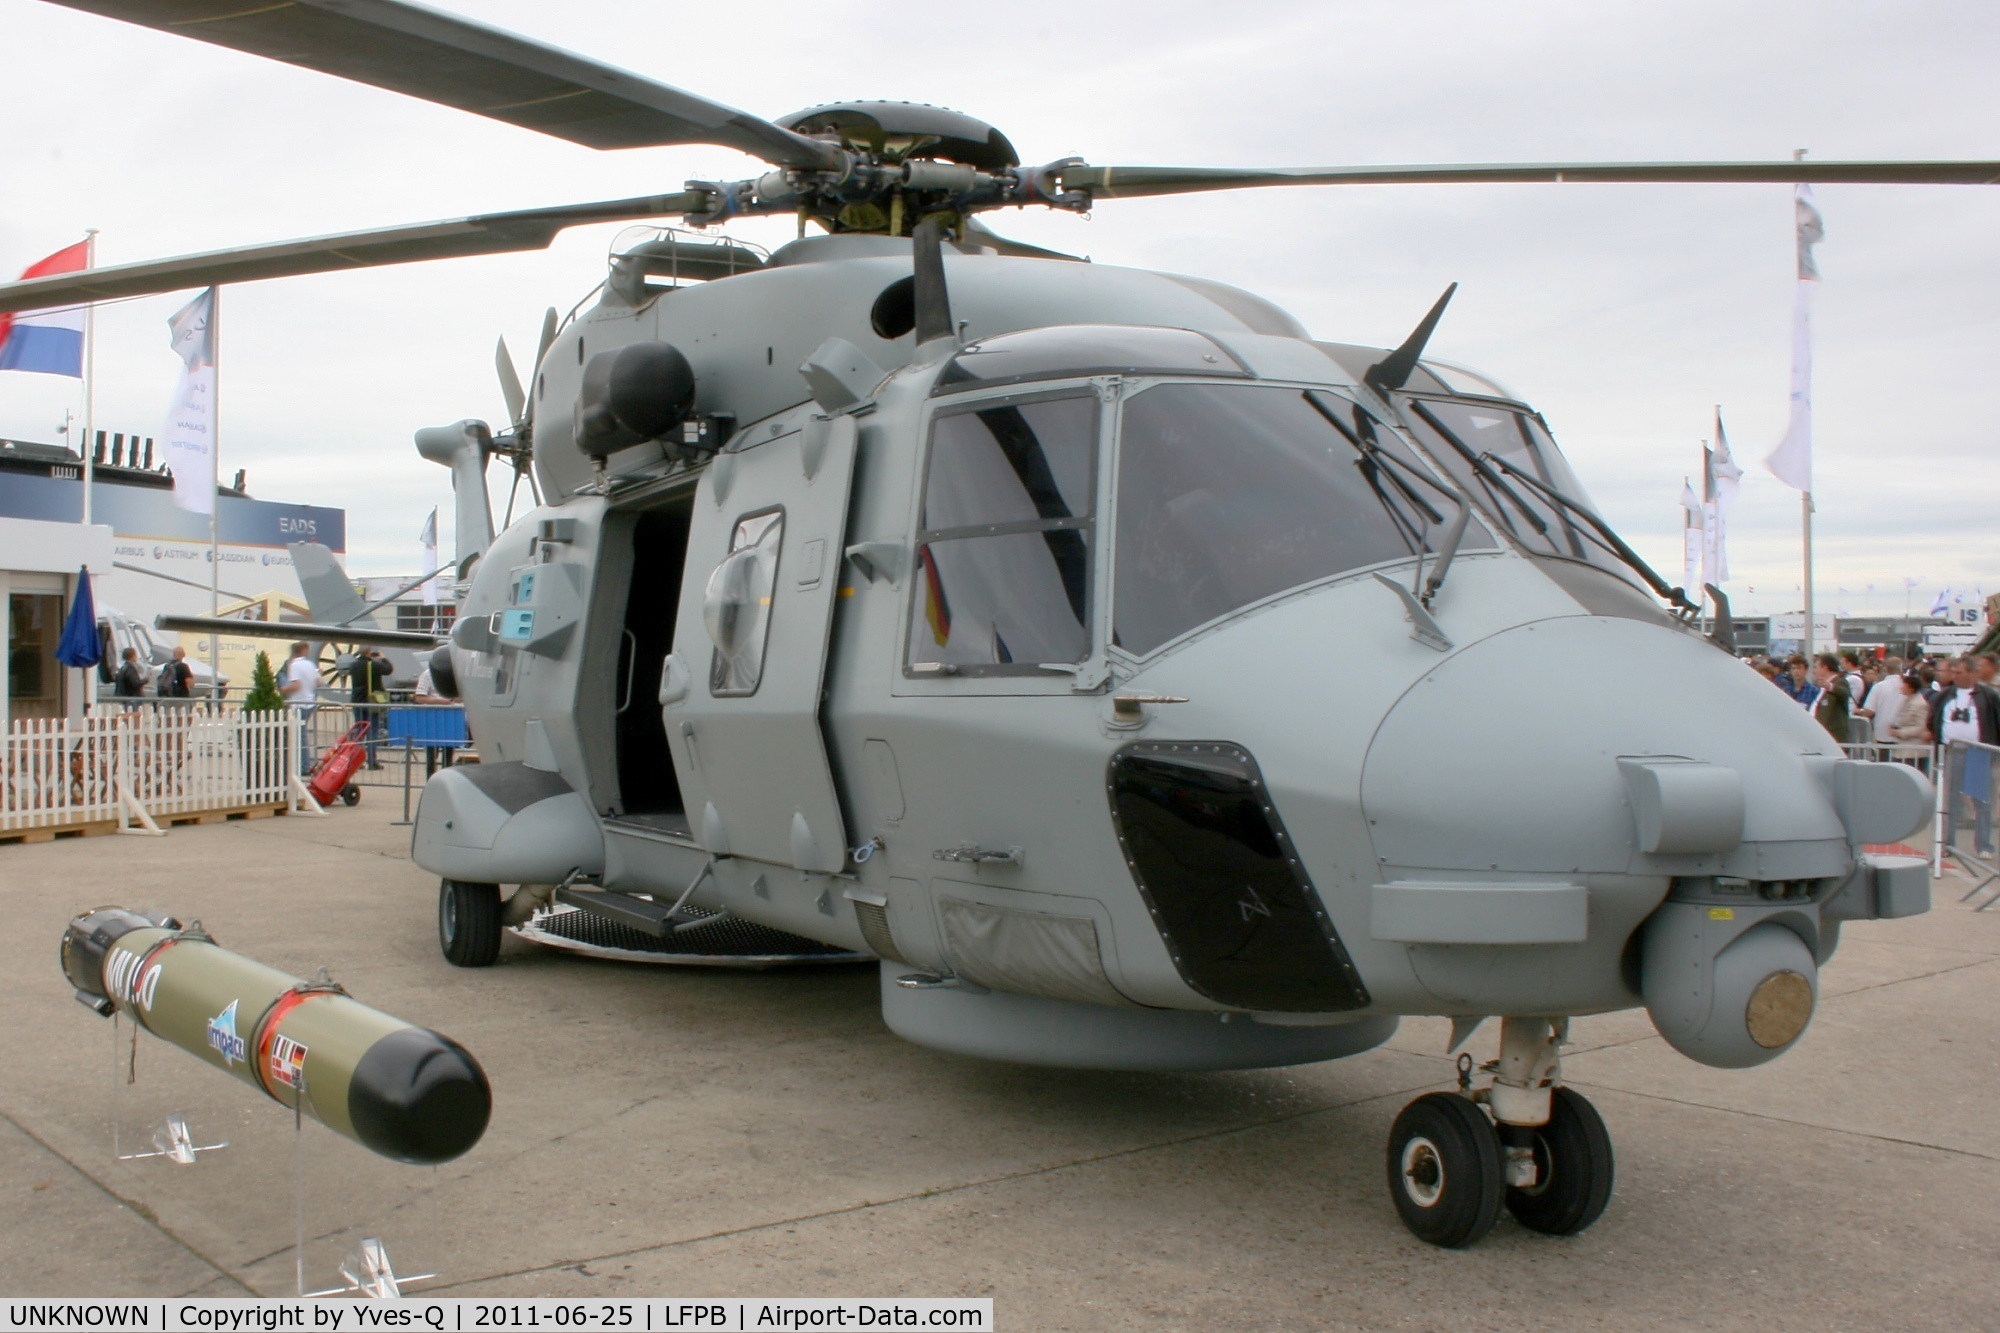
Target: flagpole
(215, 492)
(1805, 516)
(89, 377)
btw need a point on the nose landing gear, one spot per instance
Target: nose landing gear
(1544, 1152)
(1444, 1169)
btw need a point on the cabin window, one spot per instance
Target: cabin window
(1003, 556)
(1228, 494)
(737, 607)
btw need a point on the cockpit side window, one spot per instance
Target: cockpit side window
(1228, 494)
(1003, 555)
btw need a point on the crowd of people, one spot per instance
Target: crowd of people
(1886, 701)
(1899, 710)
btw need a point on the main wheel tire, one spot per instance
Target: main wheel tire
(1444, 1170)
(1573, 1166)
(468, 922)
(350, 795)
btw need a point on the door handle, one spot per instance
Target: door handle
(631, 669)
(675, 680)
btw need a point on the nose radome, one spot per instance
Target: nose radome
(1598, 746)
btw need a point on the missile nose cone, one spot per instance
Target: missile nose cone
(419, 1098)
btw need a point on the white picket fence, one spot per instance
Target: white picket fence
(134, 766)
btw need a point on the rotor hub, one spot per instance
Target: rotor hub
(900, 131)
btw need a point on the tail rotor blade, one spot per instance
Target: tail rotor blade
(548, 338)
(510, 383)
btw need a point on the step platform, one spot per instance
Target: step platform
(712, 940)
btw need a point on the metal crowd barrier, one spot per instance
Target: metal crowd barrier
(406, 742)
(1917, 754)
(1920, 756)
(1970, 781)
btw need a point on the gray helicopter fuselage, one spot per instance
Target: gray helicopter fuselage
(1095, 794)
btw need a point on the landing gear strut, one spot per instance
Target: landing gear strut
(1543, 1152)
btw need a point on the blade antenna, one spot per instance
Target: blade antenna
(932, 299)
(1394, 370)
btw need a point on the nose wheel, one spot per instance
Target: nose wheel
(1525, 1141)
(1444, 1169)
(1573, 1169)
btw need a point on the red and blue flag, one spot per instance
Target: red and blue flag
(48, 341)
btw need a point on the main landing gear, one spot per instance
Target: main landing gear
(1543, 1152)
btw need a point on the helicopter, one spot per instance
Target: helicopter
(949, 600)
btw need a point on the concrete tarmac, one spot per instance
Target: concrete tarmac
(662, 1132)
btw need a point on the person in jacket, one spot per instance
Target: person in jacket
(130, 682)
(370, 677)
(1966, 715)
(1835, 701)
(1912, 719)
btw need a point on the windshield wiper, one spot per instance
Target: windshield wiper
(1610, 540)
(1495, 484)
(1377, 463)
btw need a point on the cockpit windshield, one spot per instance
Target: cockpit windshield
(1230, 493)
(1504, 458)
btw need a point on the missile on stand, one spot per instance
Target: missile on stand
(399, 1090)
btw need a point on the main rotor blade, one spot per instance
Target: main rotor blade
(442, 58)
(487, 234)
(1139, 182)
(296, 630)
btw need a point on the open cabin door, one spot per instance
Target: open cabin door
(740, 694)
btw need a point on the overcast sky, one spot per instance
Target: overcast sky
(1625, 312)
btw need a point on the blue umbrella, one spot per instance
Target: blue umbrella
(79, 637)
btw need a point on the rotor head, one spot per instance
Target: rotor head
(900, 131)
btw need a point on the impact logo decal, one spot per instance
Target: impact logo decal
(288, 1063)
(222, 1036)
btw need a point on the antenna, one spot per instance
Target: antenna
(932, 300)
(1393, 370)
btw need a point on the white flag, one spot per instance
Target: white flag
(190, 432)
(1693, 526)
(1943, 601)
(429, 537)
(1728, 481)
(1711, 523)
(1791, 461)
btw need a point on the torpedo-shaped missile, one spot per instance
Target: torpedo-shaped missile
(399, 1090)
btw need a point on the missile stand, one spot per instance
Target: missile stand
(1525, 1141)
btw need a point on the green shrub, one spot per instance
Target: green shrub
(263, 696)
